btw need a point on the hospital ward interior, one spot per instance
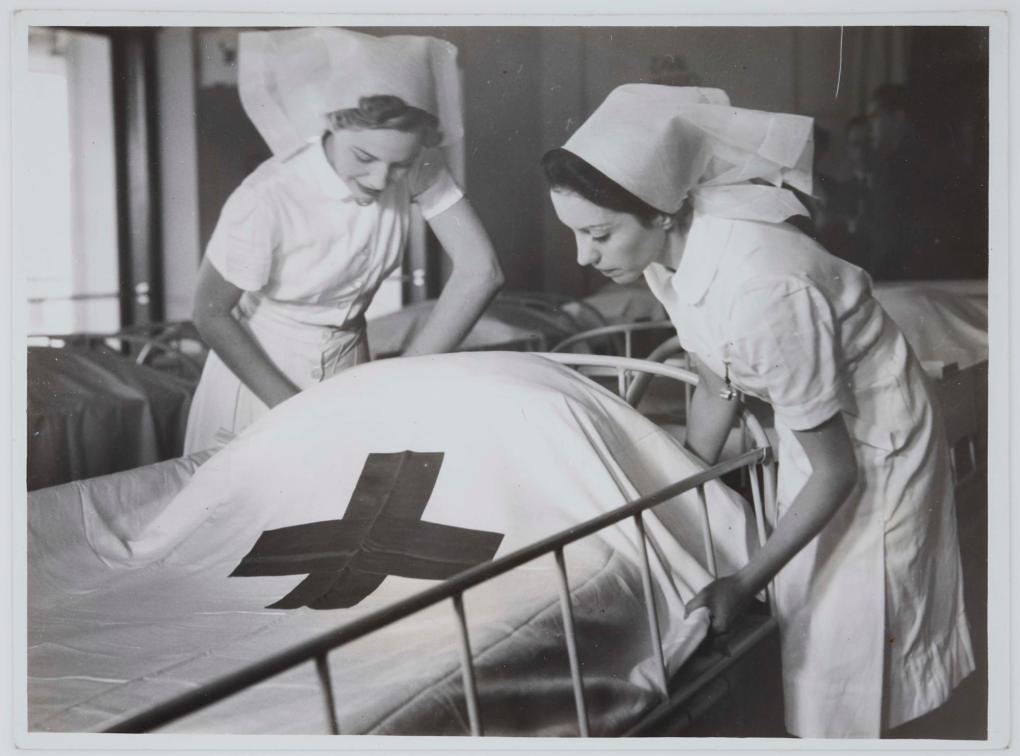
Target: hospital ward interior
(501, 536)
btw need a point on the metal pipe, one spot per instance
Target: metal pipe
(322, 668)
(612, 330)
(571, 640)
(759, 511)
(706, 533)
(650, 610)
(759, 518)
(467, 667)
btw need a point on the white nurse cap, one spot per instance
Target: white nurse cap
(290, 79)
(665, 143)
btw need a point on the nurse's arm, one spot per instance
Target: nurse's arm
(215, 298)
(475, 279)
(830, 452)
(711, 415)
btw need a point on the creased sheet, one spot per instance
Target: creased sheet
(135, 591)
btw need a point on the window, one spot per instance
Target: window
(66, 200)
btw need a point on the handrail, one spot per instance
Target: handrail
(148, 339)
(308, 650)
(613, 330)
(646, 368)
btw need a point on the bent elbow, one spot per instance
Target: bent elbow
(204, 316)
(495, 279)
(488, 279)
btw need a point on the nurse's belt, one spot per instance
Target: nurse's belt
(290, 79)
(665, 143)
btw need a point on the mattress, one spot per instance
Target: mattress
(148, 583)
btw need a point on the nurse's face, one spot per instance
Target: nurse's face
(618, 245)
(369, 159)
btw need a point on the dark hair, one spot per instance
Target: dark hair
(387, 112)
(565, 170)
(891, 98)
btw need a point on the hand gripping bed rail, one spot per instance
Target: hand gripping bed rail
(317, 649)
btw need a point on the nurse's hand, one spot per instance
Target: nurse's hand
(726, 599)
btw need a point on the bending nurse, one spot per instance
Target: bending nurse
(301, 246)
(675, 185)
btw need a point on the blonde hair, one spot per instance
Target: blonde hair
(388, 112)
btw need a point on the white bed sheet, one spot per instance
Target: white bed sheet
(131, 599)
(503, 325)
(944, 324)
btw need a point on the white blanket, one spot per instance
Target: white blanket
(502, 326)
(136, 595)
(943, 325)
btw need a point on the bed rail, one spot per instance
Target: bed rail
(316, 650)
(614, 334)
(175, 341)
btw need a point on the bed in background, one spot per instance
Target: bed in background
(945, 323)
(147, 583)
(517, 321)
(92, 411)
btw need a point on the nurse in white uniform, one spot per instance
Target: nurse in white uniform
(678, 186)
(302, 245)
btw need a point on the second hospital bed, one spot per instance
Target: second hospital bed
(153, 593)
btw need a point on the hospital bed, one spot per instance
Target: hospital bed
(100, 403)
(519, 321)
(568, 669)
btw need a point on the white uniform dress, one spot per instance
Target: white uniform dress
(881, 584)
(309, 260)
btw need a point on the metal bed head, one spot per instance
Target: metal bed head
(761, 461)
(173, 344)
(619, 336)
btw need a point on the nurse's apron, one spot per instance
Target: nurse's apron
(307, 354)
(870, 612)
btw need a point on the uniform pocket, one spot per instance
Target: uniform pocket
(884, 418)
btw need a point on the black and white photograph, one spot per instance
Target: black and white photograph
(508, 380)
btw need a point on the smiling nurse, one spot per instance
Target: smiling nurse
(303, 244)
(674, 184)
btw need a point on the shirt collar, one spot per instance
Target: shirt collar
(322, 172)
(699, 264)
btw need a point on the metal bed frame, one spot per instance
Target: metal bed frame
(668, 350)
(145, 344)
(553, 308)
(612, 332)
(759, 460)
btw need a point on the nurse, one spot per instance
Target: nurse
(302, 245)
(675, 185)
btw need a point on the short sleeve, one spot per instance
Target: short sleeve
(242, 244)
(432, 186)
(786, 332)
